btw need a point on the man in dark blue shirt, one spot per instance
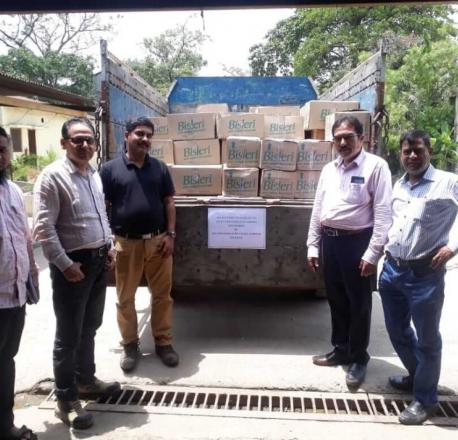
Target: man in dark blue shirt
(139, 191)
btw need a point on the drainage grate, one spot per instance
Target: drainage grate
(272, 404)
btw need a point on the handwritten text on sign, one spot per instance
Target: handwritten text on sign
(237, 228)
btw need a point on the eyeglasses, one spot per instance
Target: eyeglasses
(141, 134)
(80, 140)
(345, 137)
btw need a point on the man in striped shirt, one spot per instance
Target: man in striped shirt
(16, 262)
(422, 238)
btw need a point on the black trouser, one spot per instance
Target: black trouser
(79, 311)
(11, 326)
(349, 294)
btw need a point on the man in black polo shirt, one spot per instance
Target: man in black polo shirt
(139, 191)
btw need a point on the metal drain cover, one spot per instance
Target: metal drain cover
(269, 404)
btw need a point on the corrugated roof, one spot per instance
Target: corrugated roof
(9, 85)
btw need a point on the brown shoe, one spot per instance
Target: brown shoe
(97, 388)
(168, 355)
(73, 414)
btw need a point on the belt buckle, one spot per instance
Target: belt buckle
(332, 232)
(147, 236)
(101, 251)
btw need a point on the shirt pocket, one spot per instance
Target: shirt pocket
(355, 193)
(426, 210)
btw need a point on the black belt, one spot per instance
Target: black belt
(91, 253)
(333, 232)
(132, 236)
(421, 262)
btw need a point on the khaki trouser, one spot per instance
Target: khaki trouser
(133, 258)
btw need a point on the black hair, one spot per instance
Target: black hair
(349, 120)
(413, 135)
(76, 120)
(131, 125)
(3, 133)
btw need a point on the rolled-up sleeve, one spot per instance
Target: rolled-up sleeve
(46, 211)
(382, 198)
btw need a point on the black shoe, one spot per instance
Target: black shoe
(330, 359)
(129, 357)
(97, 388)
(355, 375)
(402, 383)
(168, 355)
(21, 433)
(73, 414)
(416, 413)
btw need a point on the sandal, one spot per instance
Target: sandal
(22, 433)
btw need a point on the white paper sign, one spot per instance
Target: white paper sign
(237, 228)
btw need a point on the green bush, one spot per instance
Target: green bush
(27, 167)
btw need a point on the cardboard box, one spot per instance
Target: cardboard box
(364, 117)
(240, 182)
(278, 154)
(197, 152)
(241, 152)
(315, 112)
(306, 184)
(203, 180)
(277, 110)
(212, 108)
(162, 149)
(240, 124)
(161, 128)
(313, 154)
(184, 126)
(284, 127)
(277, 184)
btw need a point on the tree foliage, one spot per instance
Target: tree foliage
(45, 49)
(421, 93)
(51, 33)
(65, 71)
(326, 43)
(173, 53)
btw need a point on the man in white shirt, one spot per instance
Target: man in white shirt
(423, 237)
(348, 229)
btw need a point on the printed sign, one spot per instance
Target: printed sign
(237, 228)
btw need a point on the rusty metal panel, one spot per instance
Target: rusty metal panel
(282, 265)
(124, 95)
(360, 84)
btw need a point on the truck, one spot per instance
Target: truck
(281, 263)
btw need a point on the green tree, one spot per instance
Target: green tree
(65, 71)
(420, 94)
(326, 43)
(46, 48)
(173, 53)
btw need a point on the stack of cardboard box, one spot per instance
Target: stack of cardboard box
(195, 160)
(266, 152)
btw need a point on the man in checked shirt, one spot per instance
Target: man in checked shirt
(348, 229)
(422, 238)
(72, 227)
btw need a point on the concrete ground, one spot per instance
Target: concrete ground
(240, 340)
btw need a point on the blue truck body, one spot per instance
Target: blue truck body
(239, 92)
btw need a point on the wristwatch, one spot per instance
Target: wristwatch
(172, 234)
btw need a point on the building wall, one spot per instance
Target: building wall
(47, 126)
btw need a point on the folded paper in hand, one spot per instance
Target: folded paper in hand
(33, 293)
